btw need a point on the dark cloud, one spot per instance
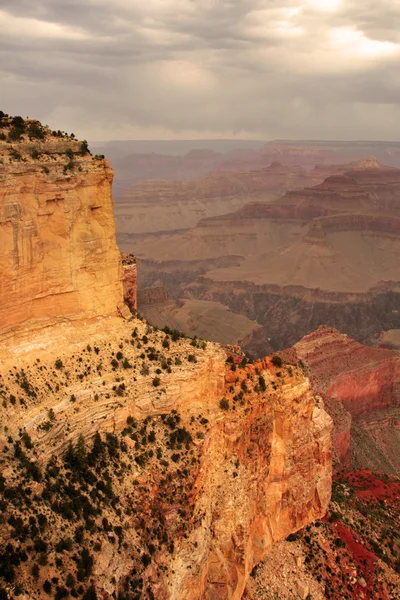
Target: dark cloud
(186, 68)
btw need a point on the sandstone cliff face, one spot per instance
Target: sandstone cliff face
(134, 463)
(274, 478)
(58, 256)
(255, 471)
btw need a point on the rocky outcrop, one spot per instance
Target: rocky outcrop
(58, 256)
(258, 469)
(243, 513)
(361, 387)
(135, 462)
(130, 281)
(361, 378)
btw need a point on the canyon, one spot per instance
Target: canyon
(134, 462)
(138, 462)
(325, 254)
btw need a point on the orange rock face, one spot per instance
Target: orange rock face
(242, 460)
(58, 255)
(263, 474)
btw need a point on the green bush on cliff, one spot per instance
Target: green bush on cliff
(276, 361)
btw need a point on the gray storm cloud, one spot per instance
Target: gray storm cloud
(321, 69)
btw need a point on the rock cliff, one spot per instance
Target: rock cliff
(130, 281)
(134, 462)
(58, 255)
(208, 463)
(361, 388)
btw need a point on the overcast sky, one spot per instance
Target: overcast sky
(159, 69)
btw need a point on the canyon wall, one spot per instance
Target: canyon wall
(255, 464)
(274, 479)
(327, 254)
(361, 388)
(58, 255)
(158, 468)
(130, 281)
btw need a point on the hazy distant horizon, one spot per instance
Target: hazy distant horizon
(181, 147)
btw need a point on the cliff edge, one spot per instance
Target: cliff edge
(58, 255)
(135, 463)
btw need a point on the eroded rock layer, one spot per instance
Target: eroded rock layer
(58, 256)
(135, 463)
(201, 465)
(361, 387)
(327, 254)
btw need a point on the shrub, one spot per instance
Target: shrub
(276, 361)
(18, 122)
(85, 147)
(35, 131)
(15, 155)
(35, 571)
(69, 166)
(27, 440)
(47, 586)
(224, 404)
(90, 593)
(262, 383)
(146, 560)
(15, 135)
(156, 381)
(58, 364)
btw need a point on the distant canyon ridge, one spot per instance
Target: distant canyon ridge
(259, 244)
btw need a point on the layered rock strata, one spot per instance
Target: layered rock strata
(134, 462)
(58, 256)
(327, 254)
(361, 387)
(257, 462)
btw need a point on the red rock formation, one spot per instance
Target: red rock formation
(243, 514)
(357, 381)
